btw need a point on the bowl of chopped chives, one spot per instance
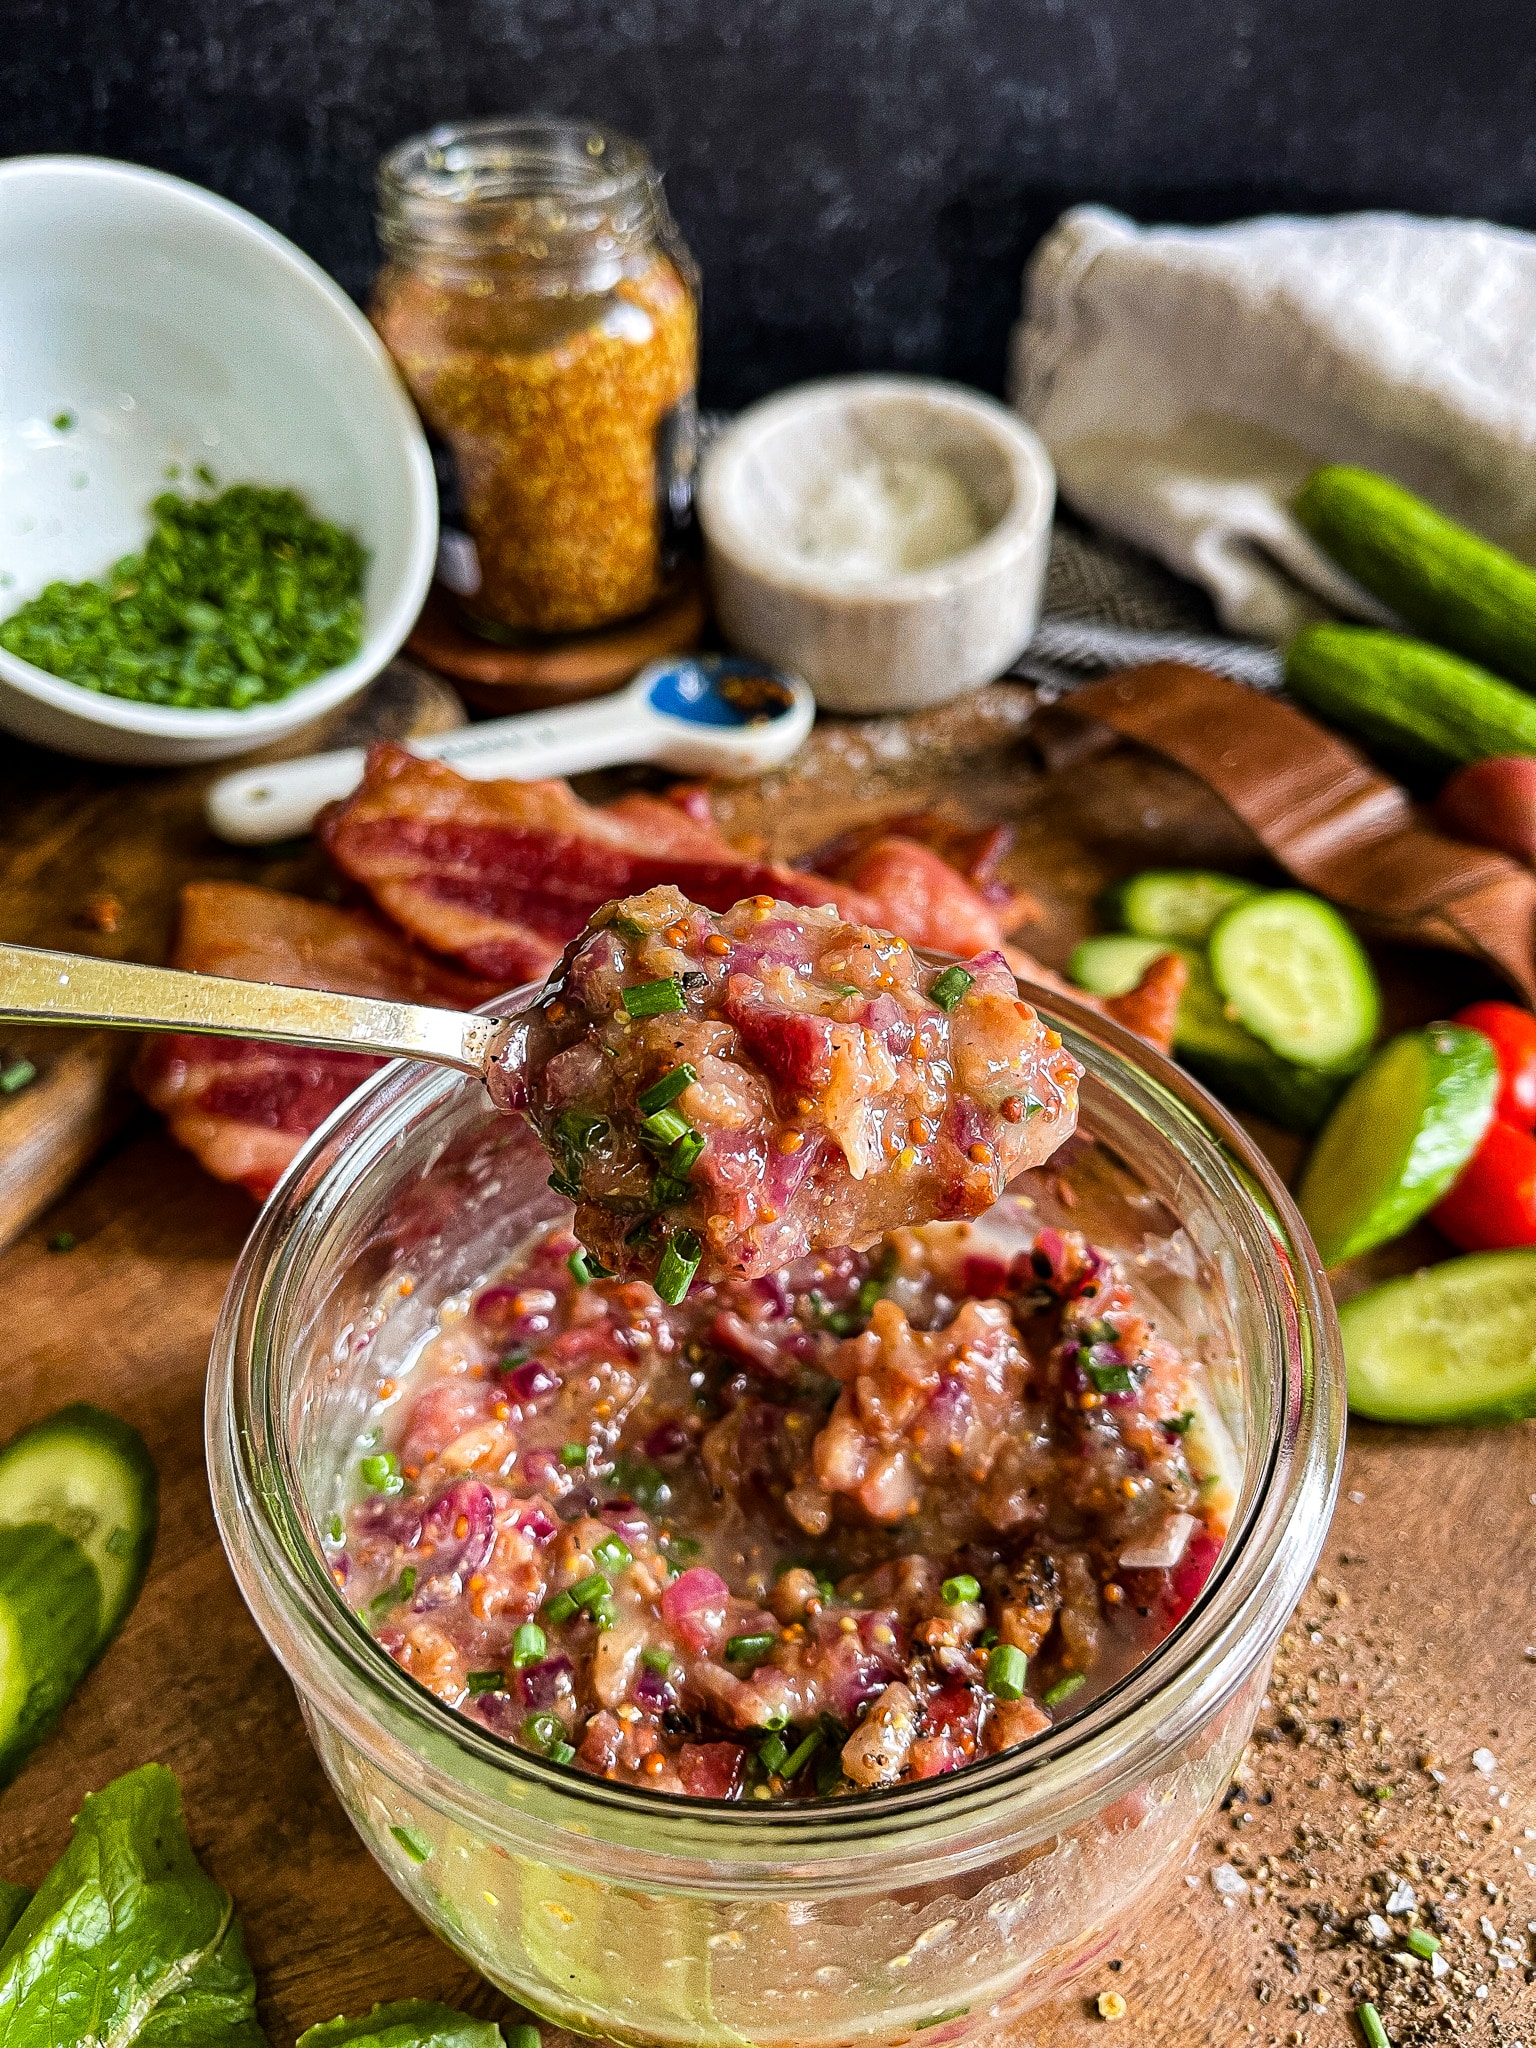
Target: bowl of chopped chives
(219, 518)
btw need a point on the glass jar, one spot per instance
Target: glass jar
(947, 1906)
(544, 313)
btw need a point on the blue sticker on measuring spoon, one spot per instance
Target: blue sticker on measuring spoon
(720, 689)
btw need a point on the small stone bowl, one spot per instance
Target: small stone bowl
(915, 637)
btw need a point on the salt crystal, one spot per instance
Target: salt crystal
(1485, 1761)
(1486, 1928)
(1380, 1931)
(1438, 1966)
(1358, 1499)
(1404, 1898)
(1229, 1882)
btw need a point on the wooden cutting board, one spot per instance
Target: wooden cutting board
(1409, 1654)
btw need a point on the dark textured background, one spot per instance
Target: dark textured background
(861, 179)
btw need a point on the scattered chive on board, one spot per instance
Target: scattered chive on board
(235, 600)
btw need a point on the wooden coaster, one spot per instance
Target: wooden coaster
(543, 673)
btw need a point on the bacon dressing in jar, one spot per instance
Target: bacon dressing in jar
(543, 311)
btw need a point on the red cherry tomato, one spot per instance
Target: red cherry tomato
(1513, 1032)
(1492, 1207)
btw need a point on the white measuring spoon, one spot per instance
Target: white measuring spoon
(702, 714)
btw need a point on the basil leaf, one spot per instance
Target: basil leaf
(128, 1942)
(14, 1899)
(411, 2023)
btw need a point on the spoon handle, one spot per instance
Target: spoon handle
(38, 987)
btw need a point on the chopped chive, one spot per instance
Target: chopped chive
(594, 1587)
(484, 1681)
(391, 1597)
(962, 1587)
(577, 1131)
(408, 1582)
(564, 1185)
(62, 1241)
(605, 1614)
(775, 1720)
(772, 1753)
(950, 987)
(335, 1530)
(1180, 1425)
(937, 2019)
(801, 1755)
(846, 988)
(628, 927)
(749, 1649)
(665, 1129)
(613, 1554)
(1064, 1688)
(1375, 2033)
(573, 1454)
(580, 1271)
(381, 1472)
(413, 1842)
(987, 1638)
(518, 1355)
(685, 1154)
(641, 1480)
(15, 1076)
(1007, 1670)
(529, 1643)
(679, 1263)
(1422, 1943)
(654, 998)
(562, 1607)
(825, 1588)
(558, 1753)
(685, 1547)
(870, 1291)
(543, 1731)
(666, 1090)
(523, 2036)
(657, 1659)
(1112, 1379)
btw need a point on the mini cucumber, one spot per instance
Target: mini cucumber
(1409, 700)
(50, 1620)
(1297, 977)
(90, 1475)
(1406, 1128)
(1453, 1343)
(1175, 903)
(1113, 963)
(1452, 585)
(1232, 1061)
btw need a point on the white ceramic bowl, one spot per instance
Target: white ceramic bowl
(916, 637)
(173, 328)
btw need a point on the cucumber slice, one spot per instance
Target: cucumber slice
(1401, 1135)
(1176, 903)
(1297, 977)
(90, 1475)
(50, 1618)
(1233, 1063)
(1112, 964)
(1454, 1343)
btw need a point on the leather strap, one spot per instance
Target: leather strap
(1326, 815)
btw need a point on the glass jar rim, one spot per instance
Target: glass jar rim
(1080, 1765)
(530, 187)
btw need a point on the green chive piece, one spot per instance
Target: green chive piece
(1007, 1670)
(561, 1608)
(962, 1587)
(559, 1753)
(1064, 1688)
(613, 1554)
(685, 1155)
(1375, 2033)
(572, 1455)
(665, 1129)
(679, 1263)
(749, 1649)
(62, 1241)
(580, 1271)
(576, 1132)
(594, 1587)
(335, 1530)
(666, 1090)
(605, 1614)
(408, 1582)
(1112, 1379)
(870, 1291)
(772, 1753)
(1180, 1425)
(628, 927)
(801, 1755)
(413, 1842)
(564, 1185)
(484, 1681)
(523, 2037)
(657, 1659)
(543, 1731)
(950, 987)
(1422, 1943)
(654, 998)
(529, 1644)
(381, 1473)
(63, 421)
(775, 1720)
(16, 1076)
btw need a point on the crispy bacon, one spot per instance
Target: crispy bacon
(244, 1108)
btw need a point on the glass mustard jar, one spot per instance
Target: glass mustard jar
(543, 310)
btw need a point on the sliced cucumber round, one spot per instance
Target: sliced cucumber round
(90, 1475)
(50, 1620)
(1402, 1133)
(1176, 903)
(1113, 963)
(1240, 1069)
(1297, 977)
(1454, 1343)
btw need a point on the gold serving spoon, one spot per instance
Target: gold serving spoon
(39, 987)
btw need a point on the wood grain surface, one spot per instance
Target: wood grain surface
(1410, 1653)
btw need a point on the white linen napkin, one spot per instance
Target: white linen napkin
(1187, 380)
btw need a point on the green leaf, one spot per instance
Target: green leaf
(128, 1942)
(412, 2023)
(14, 1899)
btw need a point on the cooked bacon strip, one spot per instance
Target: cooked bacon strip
(244, 1108)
